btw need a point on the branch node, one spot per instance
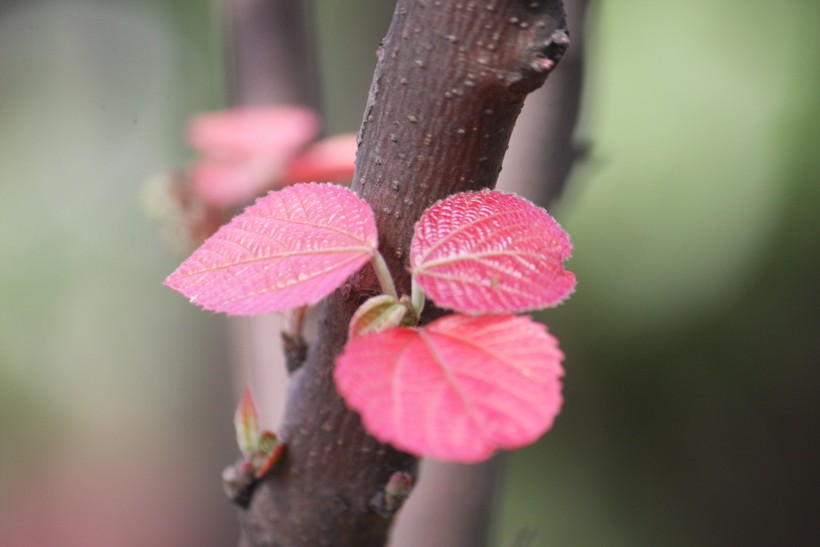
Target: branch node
(546, 58)
(556, 45)
(389, 500)
(295, 348)
(238, 482)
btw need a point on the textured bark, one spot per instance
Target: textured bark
(448, 88)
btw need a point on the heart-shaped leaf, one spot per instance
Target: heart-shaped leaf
(491, 252)
(291, 248)
(457, 389)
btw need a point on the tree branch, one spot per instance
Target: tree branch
(453, 504)
(448, 88)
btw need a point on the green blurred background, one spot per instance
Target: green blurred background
(691, 413)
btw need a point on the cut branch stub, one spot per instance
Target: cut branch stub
(291, 248)
(491, 252)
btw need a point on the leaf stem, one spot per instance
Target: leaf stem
(383, 274)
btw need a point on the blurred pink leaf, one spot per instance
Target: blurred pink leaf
(330, 159)
(228, 182)
(253, 131)
(245, 150)
(291, 248)
(246, 423)
(457, 389)
(490, 252)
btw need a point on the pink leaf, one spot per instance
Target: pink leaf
(458, 389)
(331, 159)
(245, 150)
(277, 131)
(491, 252)
(291, 248)
(226, 182)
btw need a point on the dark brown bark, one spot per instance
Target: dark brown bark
(447, 90)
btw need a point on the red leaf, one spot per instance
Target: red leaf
(277, 131)
(291, 248)
(491, 252)
(331, 159)
(458, 389)
(227, 182)
(245, 150)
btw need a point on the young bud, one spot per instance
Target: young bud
(376, 314)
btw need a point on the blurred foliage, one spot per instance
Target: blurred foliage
(94, 96)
